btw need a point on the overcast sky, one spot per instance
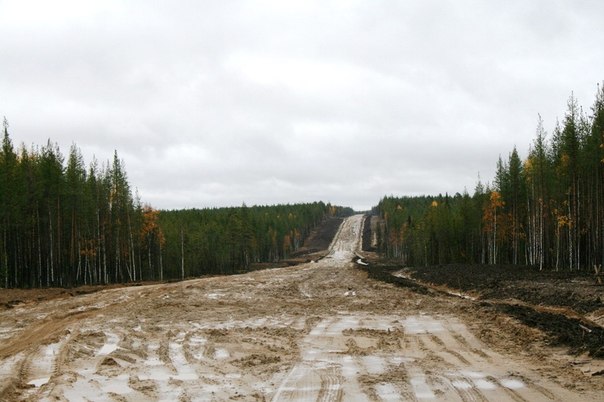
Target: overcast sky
(216, 103)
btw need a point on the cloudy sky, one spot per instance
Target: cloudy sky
(216, 103)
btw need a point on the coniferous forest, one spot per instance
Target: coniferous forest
(65, 224)
(229, 240)
(545, 211)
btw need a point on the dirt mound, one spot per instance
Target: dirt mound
(11, 298)
(385, 273)
(562, 330)
(320, 238)
(575, 290)
(368, 232)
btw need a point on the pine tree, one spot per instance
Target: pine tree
(8, 166)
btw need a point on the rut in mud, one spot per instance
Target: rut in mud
(318, 331)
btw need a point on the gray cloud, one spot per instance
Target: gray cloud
(219, 103)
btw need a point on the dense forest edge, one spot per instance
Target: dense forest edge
(546, 211)
(63, 224)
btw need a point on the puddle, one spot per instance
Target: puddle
(117, 385)
(461, 384)
(185, 371)
(42, 365)
(484, 384)
(387, 392)
(38, 382)
(421, 388)
(221, 354)
(512, 384)
(422, 325)
(110, 345)
(153, 359)
(374, 364)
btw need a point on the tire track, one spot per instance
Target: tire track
(38, 368)
(548, 394)
(331, 385)
(388, 392)
(507, 387)
(466, 345)
(41, 333)
(523, 389)
(62, 357)
(447, 365)
(9, 379)
(466, 388)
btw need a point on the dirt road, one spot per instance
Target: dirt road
(318, 331)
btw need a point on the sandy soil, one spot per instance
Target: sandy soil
(317, 331)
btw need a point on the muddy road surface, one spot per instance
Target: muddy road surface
(321, 331)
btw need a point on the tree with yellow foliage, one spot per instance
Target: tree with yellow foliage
(490, 223)
(152, 238)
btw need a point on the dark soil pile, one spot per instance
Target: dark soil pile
(562, 330)
(384, 273)
(575, 290)
(10, 298)
(320, 238)
(367, 233)
(317, 242)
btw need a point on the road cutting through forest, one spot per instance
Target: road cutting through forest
(320, 331)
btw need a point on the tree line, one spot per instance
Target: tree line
(63, 223)
(229, 240)
(545, 211)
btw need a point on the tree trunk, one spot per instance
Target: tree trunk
(182, 253)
